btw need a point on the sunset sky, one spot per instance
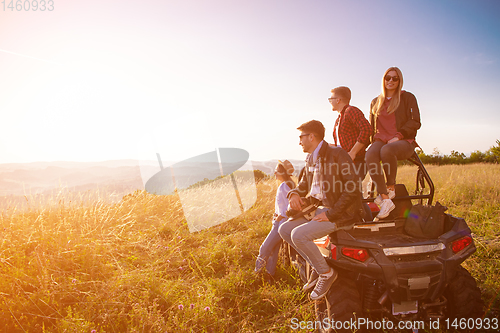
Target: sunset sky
(103, 80)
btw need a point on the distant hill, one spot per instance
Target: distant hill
(34, 180)
(268, 166)
(66, 164)
(23, 183)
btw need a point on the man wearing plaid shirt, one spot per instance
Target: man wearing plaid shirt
(330, 180)
(354, 133)
(354, 130)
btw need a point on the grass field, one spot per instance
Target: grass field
(134, 267)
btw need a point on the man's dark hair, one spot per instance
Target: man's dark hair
(315, 127)
(344, 93)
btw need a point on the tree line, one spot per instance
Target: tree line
(492, 155)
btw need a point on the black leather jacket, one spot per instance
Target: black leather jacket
(407, 116)
(338, 182)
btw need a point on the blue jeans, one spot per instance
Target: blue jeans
(270, 248)
(301, 233)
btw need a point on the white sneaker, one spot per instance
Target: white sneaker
(324, 283)
(386, 208)
(390, 193)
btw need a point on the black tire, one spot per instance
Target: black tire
(344, 305)
(463, 295)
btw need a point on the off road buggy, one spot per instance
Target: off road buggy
(387, 274)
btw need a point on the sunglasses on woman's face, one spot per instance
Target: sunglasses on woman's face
(393, 78)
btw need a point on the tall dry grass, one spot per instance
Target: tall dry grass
(133, 266)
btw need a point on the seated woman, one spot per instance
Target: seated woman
(395, 119)
(269, 250)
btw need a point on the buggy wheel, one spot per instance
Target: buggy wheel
(340, 306)
(463, 295)
(303, 268)
(291, 257)
(285, 255)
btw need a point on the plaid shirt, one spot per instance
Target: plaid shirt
(352, 127)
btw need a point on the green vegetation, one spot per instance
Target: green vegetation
(490, 156)
(134, 267)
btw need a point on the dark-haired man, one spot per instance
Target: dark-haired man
(328, 180)
(354, 132)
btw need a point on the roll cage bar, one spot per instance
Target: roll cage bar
(421, 180)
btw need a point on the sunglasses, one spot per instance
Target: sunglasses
(393, 78)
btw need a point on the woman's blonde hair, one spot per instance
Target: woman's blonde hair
(396, 98)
